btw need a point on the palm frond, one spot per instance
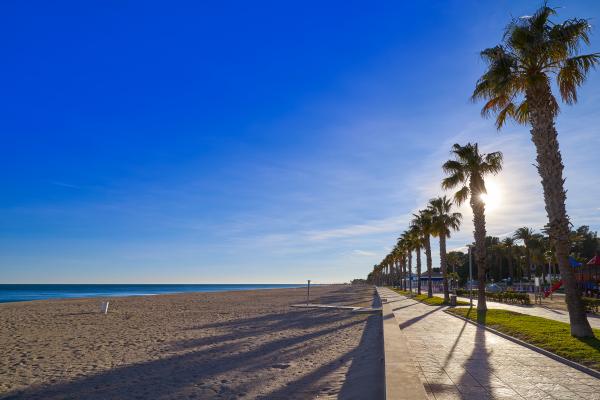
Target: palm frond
(462, 195)
(493, 163)
(565, 38)
(452, 167)
(572, 74)
(521, 114)
(532, 49)
(508, 111)
(453, 181)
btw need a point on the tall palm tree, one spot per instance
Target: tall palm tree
(467, 171)
(443, 222)
(400, 251)
(422, 221)
(455, 259)
(408, 239)
(406, 243)
(525, 234)
(508, 243)
(517, 85)
(416, 239)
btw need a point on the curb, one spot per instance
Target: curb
(556, 357)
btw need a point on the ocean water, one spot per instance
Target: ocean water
(12, 292)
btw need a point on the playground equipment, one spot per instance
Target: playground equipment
(554, 287)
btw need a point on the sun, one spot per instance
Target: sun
(493, 197)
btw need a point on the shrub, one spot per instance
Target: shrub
(502, 297)
(591, 304)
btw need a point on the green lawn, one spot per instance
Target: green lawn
(550, 335)
(432, 301)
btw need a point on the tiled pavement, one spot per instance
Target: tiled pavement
(457, 360)
(537, 310)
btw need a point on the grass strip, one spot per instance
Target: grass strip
(431, 301)
(547, 334)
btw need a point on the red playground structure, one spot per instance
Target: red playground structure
(587, 275)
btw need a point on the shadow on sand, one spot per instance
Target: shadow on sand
(195, 368)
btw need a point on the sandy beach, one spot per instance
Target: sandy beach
(228, 345)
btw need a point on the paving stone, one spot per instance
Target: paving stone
(457, 360)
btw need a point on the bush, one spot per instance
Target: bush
(432, 301)
(591, 304)
(503, 297)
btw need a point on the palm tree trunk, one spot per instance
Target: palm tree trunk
(444, 266)
(550, 168)
(478, 208)
(418, 250)
(429, 265)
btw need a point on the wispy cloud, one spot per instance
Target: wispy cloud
(364, 253)
(393, 224)
(63, 184)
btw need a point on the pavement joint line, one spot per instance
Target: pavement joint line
(556, 357)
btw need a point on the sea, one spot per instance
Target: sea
(27, 292)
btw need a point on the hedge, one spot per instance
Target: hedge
(502, 297)
(591, 304)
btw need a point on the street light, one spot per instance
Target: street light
(410, 278)
(470, 246)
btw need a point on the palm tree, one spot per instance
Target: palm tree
(443, 222)
(525, 234)
(400, 251)
(517, 85)
(422, 222)
(455, 259)
(416, 240)
(467, 171)
(508, 243)
(407, 246)
(408, 239)
(494, 260)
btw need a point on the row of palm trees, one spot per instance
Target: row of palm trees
(466, 173)
(517, 86)
(437, 220)
(524, 254)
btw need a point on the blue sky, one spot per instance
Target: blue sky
(252, 141)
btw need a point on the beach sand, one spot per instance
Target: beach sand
(228, 345)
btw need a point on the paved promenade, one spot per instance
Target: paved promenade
(536, 310)
(457, 360)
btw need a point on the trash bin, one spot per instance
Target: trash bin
(453, 300)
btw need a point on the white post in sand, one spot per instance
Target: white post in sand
(104, 307)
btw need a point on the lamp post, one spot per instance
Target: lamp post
(470, 246)
(410, 278)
